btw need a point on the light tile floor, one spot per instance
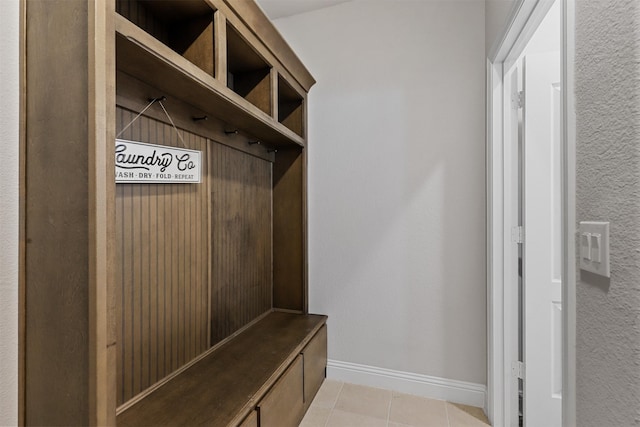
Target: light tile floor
(340, 404)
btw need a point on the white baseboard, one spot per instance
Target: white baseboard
(406, 382)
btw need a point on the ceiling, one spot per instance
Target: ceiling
(281, 8)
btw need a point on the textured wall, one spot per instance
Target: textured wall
(9, 93)
(396, 182)
(608, 189)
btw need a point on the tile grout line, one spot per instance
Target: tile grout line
(446, 411)
(335, 401)
(389, 409)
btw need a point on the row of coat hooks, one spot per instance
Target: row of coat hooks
(236, 132)
(162, 98)
(256, 142)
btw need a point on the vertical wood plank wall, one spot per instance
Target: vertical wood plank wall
(241, 287)
(162, 239)
(138, 14)
(170, 309)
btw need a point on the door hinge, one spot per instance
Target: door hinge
(517, 234)
(517, 369)
(517, 100)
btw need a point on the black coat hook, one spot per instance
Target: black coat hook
(162, 98)
(255, 142)
(272, 150)
(197, 119)
(231, 132)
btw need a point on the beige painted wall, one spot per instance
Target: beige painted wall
(396, 182)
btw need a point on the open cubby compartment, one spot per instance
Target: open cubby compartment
(186, 26)
(290, 107)
(248, 74)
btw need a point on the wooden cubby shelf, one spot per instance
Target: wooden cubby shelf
(248, 74)
(142, 56)
(290, 107)
(184, 26)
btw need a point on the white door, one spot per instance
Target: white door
(542, 240)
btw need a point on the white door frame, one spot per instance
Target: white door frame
(501, 318)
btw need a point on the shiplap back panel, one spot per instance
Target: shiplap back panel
(242, 278)
(163, 260)
(135, 12)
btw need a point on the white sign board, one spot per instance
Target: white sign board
(137, 162)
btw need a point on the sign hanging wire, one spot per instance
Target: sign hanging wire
(136, 117)
(172, 124)
(159, 100)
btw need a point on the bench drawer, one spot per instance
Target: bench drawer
(315, 364)
(283, 406)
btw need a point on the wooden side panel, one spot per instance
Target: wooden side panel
(220, 41)
(162, 267)
(289, 255)
(315, 364)
(241, 239)
(199, 47)
(56, 207)
(255, 87)
(292, 116)
(283, 405)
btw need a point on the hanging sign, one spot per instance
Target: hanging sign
(137, 162)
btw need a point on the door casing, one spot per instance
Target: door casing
(501, 265)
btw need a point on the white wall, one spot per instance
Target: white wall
(397, 182)
(608, 189)
(9, 137)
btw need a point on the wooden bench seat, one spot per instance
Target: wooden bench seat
(227, 385)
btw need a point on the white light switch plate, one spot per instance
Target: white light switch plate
(594, 247)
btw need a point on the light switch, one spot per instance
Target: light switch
(594, 247)
(596, 253)
(585, 246)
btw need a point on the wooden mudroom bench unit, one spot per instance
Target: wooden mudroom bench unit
(164, 303)
(270, 372)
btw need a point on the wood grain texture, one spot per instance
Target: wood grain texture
(184, 26)
(177, 77)
(134, 95)
(101, 124)
(291, 114)
(253, 17)
(290, 107)
(315, 364)
(243, 370)
(241, 256)
(283, 406)
(199, 49)
(289, 250)
(249, 73)
(137, 12)
(251, 420)
(255, 87)
(56, 208)
(220, 41)
(162, 267)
